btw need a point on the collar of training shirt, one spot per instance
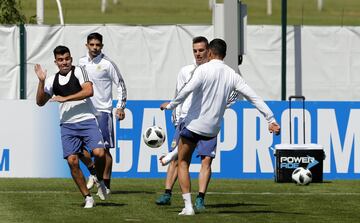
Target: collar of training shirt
(96, 59)
(216, 61)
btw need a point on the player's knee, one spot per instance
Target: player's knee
(99, 153)
(73, 161)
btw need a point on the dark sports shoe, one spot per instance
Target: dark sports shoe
(199, 204)
(164, 199)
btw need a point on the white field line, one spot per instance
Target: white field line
(210, 192)
(285, 193)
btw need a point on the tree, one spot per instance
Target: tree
(10, 12)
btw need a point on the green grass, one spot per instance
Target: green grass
(149, 12)
(58, 200)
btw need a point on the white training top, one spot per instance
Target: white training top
(103, 72)
(72, 111)
(183, 77)
(211, 85)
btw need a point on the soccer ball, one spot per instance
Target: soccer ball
(301, 176)
(154, 136)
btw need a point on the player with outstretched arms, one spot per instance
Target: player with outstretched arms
(206, 149)
(210, 86)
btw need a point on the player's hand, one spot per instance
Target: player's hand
(58, 98)
(163, 105)
(41, 74)
(120, 114)
(274, 128)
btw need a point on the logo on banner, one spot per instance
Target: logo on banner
(4, 160)
(293, 162)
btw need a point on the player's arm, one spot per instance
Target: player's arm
(181, 80)
(86, 87)
(258, 102)
(193, 84)
(118, 80)
(41, 96)
(86, 92)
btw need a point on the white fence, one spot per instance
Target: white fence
(150, 58)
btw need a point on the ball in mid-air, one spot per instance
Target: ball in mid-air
(154, 136)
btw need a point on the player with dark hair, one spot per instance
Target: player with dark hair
(103, 72)
(206, 149)
(211, 87)
(71, 87)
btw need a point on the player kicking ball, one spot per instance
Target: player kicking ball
(211, 86)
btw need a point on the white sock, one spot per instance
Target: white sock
(170, 156)
(187, 200)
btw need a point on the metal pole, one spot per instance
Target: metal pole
(22, 40)
(58, 2)
(103, 5)
(320, 5)
(269, 7)
(298, 61)
(283, 48)
(40, 12)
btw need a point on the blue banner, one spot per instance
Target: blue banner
(245, 147)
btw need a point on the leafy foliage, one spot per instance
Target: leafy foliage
(10, 12)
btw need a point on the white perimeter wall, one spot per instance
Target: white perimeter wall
(150, 58)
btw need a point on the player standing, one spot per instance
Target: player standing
(104, 73)
(211, 86)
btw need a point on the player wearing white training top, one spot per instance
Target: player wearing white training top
(103, 73)
(206, 149)
(72, 88)
(211, 86)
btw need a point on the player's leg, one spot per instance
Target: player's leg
(207, 151)
(165, 160)
(105, 122)
(204, 179)
(71, 134)
(79, 179)
(76, 173)
(108, 169)
(186, 148)
(171, 176)
(89, 163)
(93, 139)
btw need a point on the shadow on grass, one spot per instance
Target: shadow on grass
(232, 205)
(258, 212)
(109, 204)
(325, 182)
(132, 192)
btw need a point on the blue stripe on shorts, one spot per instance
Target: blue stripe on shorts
(76, 136)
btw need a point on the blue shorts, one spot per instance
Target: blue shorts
(105, 122)
(76, 136)
(205, 146)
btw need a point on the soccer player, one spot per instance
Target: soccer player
(211, 86)
(72, 89)
(206, 149)
(103, 73)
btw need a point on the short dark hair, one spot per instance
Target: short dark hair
(201, 39)
(61, 50)
(218, 47)
(96, 36)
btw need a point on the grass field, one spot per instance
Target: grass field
(148, 12)
(132, 200)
